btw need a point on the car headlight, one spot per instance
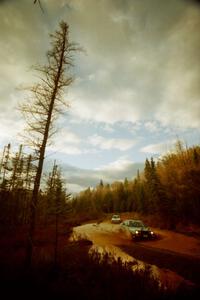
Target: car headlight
(152, 232)
(136, 231)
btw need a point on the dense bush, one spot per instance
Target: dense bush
(81, 276)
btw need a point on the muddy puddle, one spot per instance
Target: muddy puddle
(107, 237)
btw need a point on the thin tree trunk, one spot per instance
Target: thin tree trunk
(34, 200)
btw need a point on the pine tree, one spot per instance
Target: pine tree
(56, 202)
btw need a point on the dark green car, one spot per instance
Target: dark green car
(137, 229)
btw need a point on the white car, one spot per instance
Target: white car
(116, 219)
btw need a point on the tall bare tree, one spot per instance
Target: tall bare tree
(46, 105)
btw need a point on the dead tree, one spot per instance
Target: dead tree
(45, 107)
(16, 161)
(2, 160)
(5, 165)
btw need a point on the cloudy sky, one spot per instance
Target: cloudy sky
(137, 86)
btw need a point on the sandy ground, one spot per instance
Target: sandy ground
(108, 237)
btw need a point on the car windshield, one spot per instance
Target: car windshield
(136, 224)
(115, 217)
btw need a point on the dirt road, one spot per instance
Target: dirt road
(175, 258)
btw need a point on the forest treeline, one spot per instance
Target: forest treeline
(168, 189)
(17, 175)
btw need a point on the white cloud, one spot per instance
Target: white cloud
(116, 106)
(65, 149)
(69, 136)
(116, 170)
(108, 128)
(67, 142)
(180, 105)
(11, 128)
(75, 188)
(159, 148)
(149, 71)
(122, 164)
(138, 65)
(111, 143)
(151, 126)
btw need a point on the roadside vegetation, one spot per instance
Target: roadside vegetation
(78, 274)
